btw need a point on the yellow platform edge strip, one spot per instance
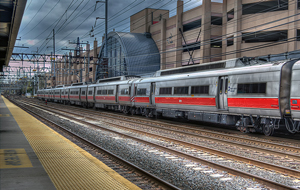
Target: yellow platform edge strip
(70, 174)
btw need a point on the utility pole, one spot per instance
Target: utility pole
(54, 52)
(105, 28)
(106, 13)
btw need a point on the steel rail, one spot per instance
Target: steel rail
(218, 134)
(221, 140)
(225, 141)
(196, 159)
(161, 182)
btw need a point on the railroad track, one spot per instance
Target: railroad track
(131, 172)
(194, 147)
(278, 149)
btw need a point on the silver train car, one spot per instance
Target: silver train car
(260, 98)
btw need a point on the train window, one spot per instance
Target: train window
(98, 92)
(181, 90)
(141, 91)
(104, 92)
(167, 90)
(200, 89)
(252, 88)
(62, 93)
(83, 93)
(110, 92)
(90, 92)
(124, 91)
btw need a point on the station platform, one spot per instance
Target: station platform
(33, 156)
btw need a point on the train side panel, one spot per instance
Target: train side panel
(254, 94)
(105, 94)
(295, 92)
(189, 94)
(124, 95)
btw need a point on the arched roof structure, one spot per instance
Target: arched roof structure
(128, 54)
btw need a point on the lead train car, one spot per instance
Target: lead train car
(254, 98)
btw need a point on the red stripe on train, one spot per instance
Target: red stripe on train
(265, 103)
(124, 98)
(142, 99)
(105, 98)
(295, 106)
(77, 97)
(186, 101)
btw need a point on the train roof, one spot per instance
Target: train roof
(119, 82)
(219, 72)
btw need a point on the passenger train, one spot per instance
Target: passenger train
(258, 98)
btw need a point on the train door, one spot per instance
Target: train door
(152, 93)
(222, 92)
(94, 94)
(117, 93)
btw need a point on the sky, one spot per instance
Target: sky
(75, 18)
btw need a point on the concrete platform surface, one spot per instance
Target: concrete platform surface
(33, 156)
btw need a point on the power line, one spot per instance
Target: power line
(225, 34)
(42, 19)
(34, 15)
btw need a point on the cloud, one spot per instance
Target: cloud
(32, 42)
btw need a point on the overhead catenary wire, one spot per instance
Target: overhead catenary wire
(34, 15)
(41, 19)
(56, 21)
(276, 7)
(135, 5)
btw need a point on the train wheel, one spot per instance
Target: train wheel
(243, 129)
(132, 111)
(268, 131)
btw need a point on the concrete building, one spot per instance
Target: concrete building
(77, 67)
(219, 31)
(210, 32)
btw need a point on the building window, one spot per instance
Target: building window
(165, 91)
(230, 41)
(200, 89)
(141, 91)
(191, 47)
(216, 42)
(91, 69)
(265, 6)
(252, 88)
(230, 15)
(192, 25)
(215, 20)
(270, 36)
(181, 90)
